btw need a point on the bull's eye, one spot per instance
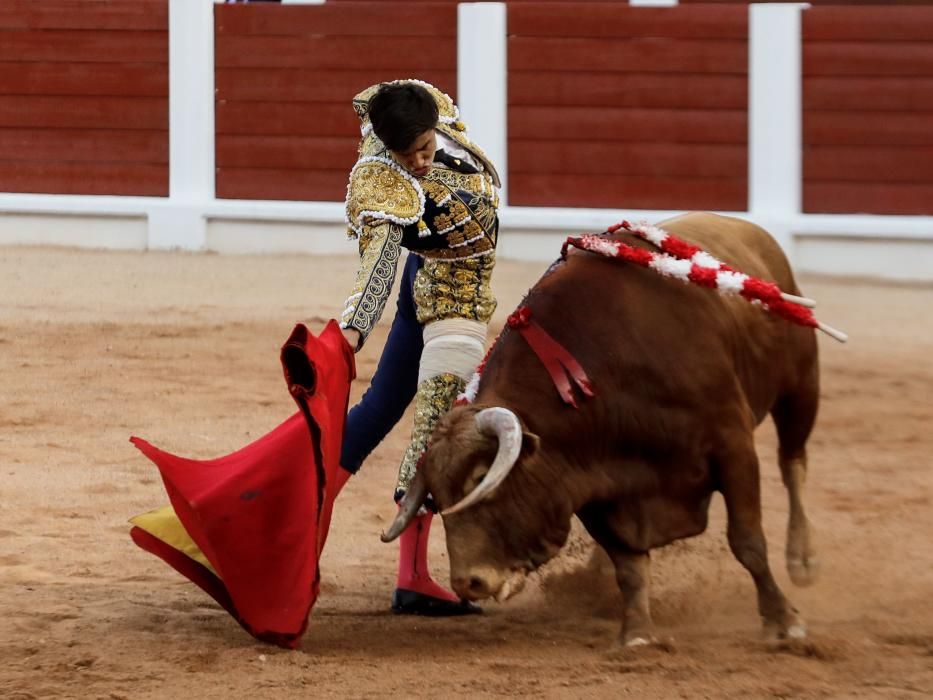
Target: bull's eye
(476, 476)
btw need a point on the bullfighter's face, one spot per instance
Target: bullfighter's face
(419, 156)
(495, 543)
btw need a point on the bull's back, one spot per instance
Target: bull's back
(741, 244)
(664, 356)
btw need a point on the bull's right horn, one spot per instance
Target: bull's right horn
(503, 424)
(414, 498)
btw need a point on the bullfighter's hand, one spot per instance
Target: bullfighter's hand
(352, 337)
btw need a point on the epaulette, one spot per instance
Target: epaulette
(381, 189)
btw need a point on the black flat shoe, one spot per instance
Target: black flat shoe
(405, 602)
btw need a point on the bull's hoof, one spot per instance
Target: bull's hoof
(644, 638)
(803, 571)
(405, 602)
(636, 643)
(792, 630)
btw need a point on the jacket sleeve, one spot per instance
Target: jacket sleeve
(380, 247)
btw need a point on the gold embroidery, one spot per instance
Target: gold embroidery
(455, 289)
(435, 190)
(481, 248)
(456, 238)
(469, 233)
(442, 222)
(434, 398)
(468, 182)
(380, 247)
(483, 211)
(380, 192)
(370, 145)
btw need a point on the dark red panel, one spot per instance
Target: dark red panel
(84, 145)
(84, 14)
(75, 78)
(629, 55)
(811, 2)
(881, 22)
(299, 185)
(866, 59)
(286, 152)
(657, 96)
(869, 164)
(287, 119)
(674, 90)
(619, 20)
(84, 107)
(589, 157)
(627, 192)
(136, 179)
(868, 94)
(84, 112)
(868, 101)
(358, 19)
(868, 198)
(653, 125)
(868, 128)
(94, 46)
(294, 85)
(320, 53)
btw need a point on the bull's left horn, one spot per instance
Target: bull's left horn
(503, 424)
(414, 498)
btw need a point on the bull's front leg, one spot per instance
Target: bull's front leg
(633, 577)
(632, 574)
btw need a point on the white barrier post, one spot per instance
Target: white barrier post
(775, 149)
(482, 79)
(180, 222)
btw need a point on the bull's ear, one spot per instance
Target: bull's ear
(530, 444)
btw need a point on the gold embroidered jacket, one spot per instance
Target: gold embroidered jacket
(448, 217)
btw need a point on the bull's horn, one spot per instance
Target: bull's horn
(505, 425)
(414, 498)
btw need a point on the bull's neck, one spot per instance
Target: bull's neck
(577, 482)
(564, 483)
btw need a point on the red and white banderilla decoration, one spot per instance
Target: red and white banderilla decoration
(677, 259)
(688, 263)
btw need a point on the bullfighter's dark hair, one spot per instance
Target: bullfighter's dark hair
(400, 112)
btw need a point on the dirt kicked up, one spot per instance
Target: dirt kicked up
(183, 350)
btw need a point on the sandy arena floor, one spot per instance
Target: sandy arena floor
(183, 350)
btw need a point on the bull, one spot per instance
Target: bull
(682, 377)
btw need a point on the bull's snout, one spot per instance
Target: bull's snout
(486, 582)
(477, 584)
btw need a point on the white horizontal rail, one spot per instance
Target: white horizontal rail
(512, 218)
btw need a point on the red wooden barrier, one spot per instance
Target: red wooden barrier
(628, 107)
(815, 2)
(868, 110)
(285, 78)
(84, 97)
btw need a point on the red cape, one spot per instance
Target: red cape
(260, 515)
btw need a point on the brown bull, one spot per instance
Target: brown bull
(682, 375)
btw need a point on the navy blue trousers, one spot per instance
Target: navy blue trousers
(395, 382)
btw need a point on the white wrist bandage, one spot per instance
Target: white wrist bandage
(452, 346)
